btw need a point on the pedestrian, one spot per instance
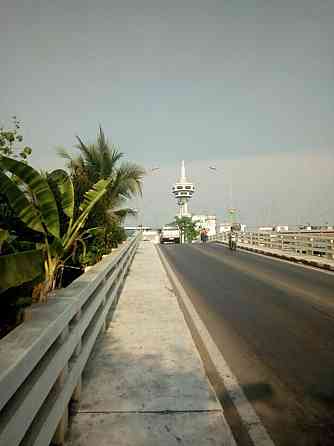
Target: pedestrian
(204, 235)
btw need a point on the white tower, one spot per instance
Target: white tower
(183, 191)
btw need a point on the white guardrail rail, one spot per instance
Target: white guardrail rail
(42, 360)
(298, 244)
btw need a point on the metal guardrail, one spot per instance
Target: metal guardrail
(41, 361)
(299, 244)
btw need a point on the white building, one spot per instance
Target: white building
(265, 229)
(208, 222)
(226, 227)
(278, 228)
(281, 228)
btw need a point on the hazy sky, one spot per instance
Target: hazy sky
(246, 85)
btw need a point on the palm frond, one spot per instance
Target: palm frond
(131, 179)
(102, 160)
(63, 153)
(125, 212)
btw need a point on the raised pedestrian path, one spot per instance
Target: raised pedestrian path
(145, 384)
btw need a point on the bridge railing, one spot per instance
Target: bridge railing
(41, 361)
(303, 244)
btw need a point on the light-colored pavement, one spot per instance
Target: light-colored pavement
(145, 383)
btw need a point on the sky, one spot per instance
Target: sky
(245, 85)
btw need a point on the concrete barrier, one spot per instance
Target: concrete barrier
(41, 361)
(313, 250)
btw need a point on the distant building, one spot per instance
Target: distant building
(281, 228)
(208, 222)
(278, 228)
(226, 227)
(310, 227)
(265, 229)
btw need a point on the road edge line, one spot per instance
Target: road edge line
(250, 420)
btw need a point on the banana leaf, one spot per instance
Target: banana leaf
(38, 185)
(91, 198)
(4, 236)
(19, 203)
(94, 194)
(66, 190)
(16, 269)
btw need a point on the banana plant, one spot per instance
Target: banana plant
(19, 268)
(4, 236)
(33, 201)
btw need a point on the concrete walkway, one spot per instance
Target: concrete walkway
(145, 384)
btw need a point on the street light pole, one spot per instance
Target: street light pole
(231, 210)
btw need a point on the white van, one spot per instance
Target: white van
(170, 234)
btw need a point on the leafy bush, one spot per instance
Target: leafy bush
(95, 247)
(116, 234)
(35, 205)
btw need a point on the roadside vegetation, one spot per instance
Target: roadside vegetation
(188, 229)
(55, 223)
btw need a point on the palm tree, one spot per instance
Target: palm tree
(102, 160)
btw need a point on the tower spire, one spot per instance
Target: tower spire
(183, 173)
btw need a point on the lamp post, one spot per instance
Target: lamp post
(231, 210)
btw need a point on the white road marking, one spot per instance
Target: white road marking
(249, 418)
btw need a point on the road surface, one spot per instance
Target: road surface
(274, 324)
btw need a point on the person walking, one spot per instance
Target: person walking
(232, 240)
(204, 235)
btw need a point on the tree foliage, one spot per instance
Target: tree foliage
(46, 219)
(35, 205)
(187, 228)
(103, 160)
(11, 142)
(11, 145)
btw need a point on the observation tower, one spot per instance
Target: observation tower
(183, 191)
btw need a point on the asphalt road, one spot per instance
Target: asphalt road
(274, 324)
